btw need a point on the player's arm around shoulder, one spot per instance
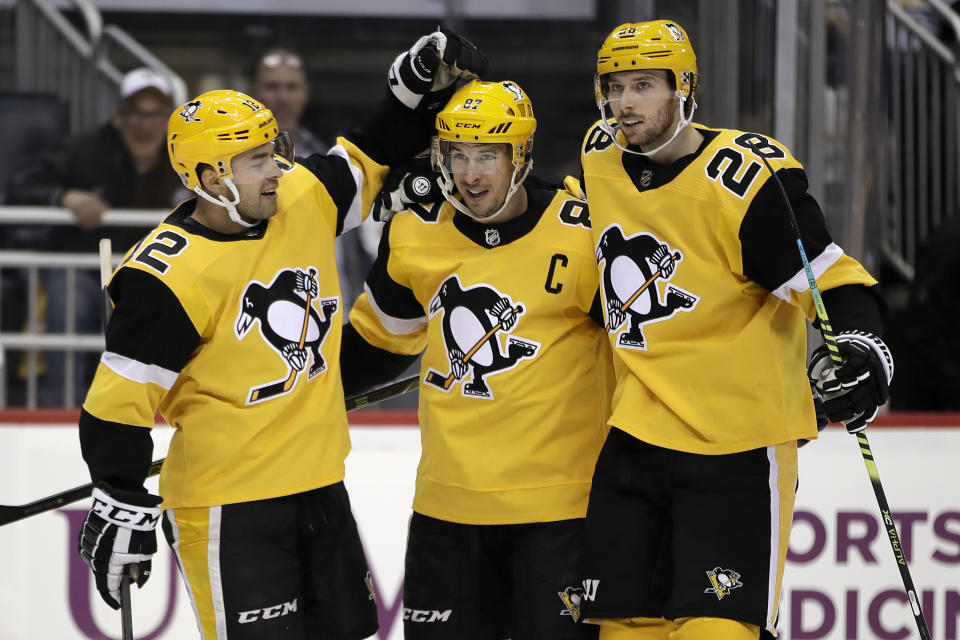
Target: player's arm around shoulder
(387, 327)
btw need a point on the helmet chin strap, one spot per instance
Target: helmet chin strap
(447, 185)
(684, 122)
(230, 206)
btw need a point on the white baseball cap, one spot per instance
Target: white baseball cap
(144, 78)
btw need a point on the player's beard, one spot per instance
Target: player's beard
(659, 127)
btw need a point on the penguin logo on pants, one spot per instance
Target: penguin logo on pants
(289, 323)
(630, 288)
(472, 320)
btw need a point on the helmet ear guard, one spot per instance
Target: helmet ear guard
(485, 113)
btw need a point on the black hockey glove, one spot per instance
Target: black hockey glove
(431, 67)
(853, 392)
(119, 530)
(413, 182)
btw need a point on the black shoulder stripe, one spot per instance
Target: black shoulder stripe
(390, 296)
(768, 246)
(149, 324)
(336, 175)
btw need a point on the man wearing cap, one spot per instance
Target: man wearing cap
(120, 164)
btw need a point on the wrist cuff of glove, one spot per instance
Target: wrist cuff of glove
(128, 509)
(875, 344)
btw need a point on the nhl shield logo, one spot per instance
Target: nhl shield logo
(492, 237)
(645, 178)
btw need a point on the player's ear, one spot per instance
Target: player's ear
(209, 178)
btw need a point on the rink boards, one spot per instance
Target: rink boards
(841, 580)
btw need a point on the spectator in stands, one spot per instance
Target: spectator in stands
(280, 82)
(120, 164)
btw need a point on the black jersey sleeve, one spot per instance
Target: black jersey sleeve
(148, 327)
(115, 453)
(856, 307)
(148, 323)
(364, 367)
(768, 245)
(391, 297)
(394, 133)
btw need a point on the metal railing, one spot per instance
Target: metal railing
(924, 116)
(53, 56)
(28, 265)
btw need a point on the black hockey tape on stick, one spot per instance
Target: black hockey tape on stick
(14, 513)
(831, 341)
(126, 607)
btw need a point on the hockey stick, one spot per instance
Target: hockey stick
(10, 514)
(106, 269)
(831, 341)
(643, 287)
(437, 379)
(126, 609)
(273, 388)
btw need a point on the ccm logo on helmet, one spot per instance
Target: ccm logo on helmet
(267, 613)
(466, 125)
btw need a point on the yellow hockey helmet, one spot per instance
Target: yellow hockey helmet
(216, 126)
(485, 113)
(490, 113)
(660, 44)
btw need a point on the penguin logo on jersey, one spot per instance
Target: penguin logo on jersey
(723, 581)
(472, 320)
(289, 323)
(632, 268)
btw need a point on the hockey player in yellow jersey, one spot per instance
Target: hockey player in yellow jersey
(496, 284)
(227, 322)
(706, 300)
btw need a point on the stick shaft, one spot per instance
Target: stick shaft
(831, 341)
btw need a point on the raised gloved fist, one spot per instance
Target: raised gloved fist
(119, 530)
(431, 65)
(854, 391)
(413, 182)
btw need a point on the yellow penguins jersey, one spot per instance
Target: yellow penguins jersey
(705, 293)
(516, 375)
(234, 339)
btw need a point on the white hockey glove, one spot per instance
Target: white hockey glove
(505, 313)
(457, 365)
(119, 530)
(307, 284)
(433, 64)
(295, 356)
(853, 392)
(615, 314)
(663, 260)
(414, 182)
